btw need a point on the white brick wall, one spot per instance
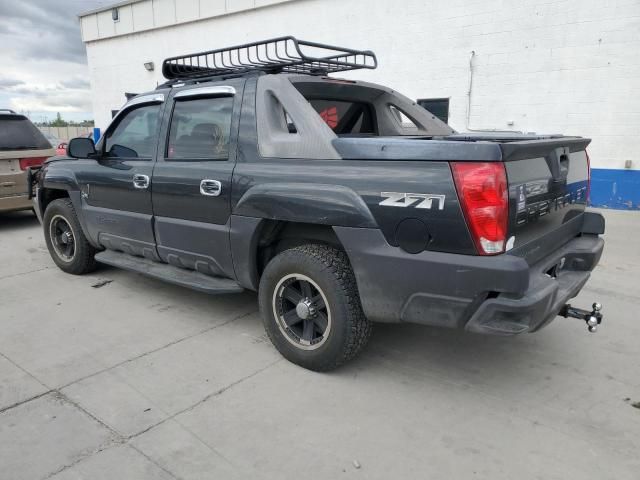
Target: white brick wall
(567, 66)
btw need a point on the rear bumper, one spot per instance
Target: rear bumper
(15, 202)
(497, 295)
(547, 293)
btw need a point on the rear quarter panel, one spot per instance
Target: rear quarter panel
(297, 190)
(358, 187)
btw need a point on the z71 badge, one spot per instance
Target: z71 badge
(416, 200)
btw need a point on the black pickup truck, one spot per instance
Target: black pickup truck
(341, 202)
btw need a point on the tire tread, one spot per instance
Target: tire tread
(359, 328)
(84, 261)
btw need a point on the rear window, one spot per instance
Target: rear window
(345, 117)
(18, 133)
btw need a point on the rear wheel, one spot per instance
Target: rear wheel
(65, 239)
(311, 309)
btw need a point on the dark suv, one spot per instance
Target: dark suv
(341, 202)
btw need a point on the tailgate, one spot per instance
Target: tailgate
(13, 179)
(548, 188)
(19, 140)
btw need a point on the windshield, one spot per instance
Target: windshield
(18, 133)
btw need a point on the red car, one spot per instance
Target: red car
(61, 149)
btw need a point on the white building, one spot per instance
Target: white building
(546, 66)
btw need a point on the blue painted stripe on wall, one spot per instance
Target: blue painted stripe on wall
(619, 189)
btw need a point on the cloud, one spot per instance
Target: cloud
(70, 95)
(45, 29)
(51, 103)
(43, 57)
(77, 82)
(6, 83)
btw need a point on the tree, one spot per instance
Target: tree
(59, 122)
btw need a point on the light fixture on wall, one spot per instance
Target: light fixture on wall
(149, 66)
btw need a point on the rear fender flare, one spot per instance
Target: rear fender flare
(320, 204)
(315, 204)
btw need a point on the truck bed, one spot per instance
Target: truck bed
(548, 177)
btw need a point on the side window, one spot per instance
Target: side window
(135, 135)
(200, 129)
(402, 118)
(437, 106)
(346, 117)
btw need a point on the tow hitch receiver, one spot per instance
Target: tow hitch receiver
(592, 318)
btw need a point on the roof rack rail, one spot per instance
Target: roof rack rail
(7, 110)
(277, 55)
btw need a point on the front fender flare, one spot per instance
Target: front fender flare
(65, 179)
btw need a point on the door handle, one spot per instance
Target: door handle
(210, 188)
(141, 181)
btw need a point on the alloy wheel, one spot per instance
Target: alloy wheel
(302, 311)
(62, 238)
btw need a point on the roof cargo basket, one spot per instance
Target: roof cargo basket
(277, 55)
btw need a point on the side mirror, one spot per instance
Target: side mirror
(81, 147)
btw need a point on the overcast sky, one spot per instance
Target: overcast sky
(44, 63)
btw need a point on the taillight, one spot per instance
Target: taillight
(483, 192)
(588, 177)
(31, 162)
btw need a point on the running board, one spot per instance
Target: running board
(168, 273)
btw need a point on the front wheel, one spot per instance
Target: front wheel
(311, 309)
(67, 244)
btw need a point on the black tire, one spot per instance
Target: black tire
(76, 254)
(327, 272)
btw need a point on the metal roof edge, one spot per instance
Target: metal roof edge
(106, 8)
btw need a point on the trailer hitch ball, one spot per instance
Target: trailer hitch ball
(595, 318)
(592, 318)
